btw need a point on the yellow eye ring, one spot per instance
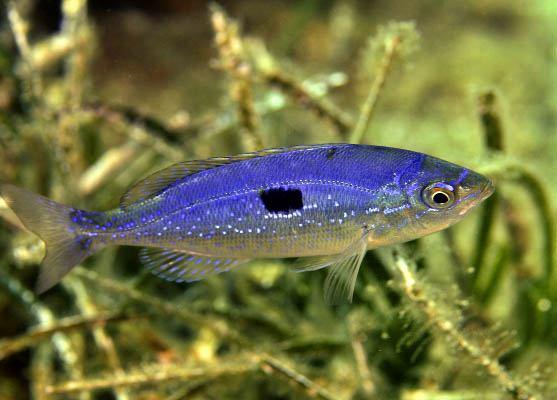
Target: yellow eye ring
(438, 195)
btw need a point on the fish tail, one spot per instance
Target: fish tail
(52, 222)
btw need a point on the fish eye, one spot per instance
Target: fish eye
(438, 195)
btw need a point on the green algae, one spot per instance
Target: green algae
(95, 96)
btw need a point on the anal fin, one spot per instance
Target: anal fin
(179, 266)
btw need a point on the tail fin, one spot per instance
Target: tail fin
(52, 222)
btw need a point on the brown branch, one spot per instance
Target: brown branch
(272, 364)
(321, 107)
(9, 346)
(158, 374)
(45, 317)
(393, 41)
(104, 169)
(19, 27)
(233, 61)
(368, 107)
(429, 307)
(102, 339)
(190, 317)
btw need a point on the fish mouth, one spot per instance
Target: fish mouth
(487, 190)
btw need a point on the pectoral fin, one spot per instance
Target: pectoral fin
(341, 279)
(344, 267)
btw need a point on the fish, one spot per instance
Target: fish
(325, 204)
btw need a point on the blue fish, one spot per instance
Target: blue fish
(326, 203)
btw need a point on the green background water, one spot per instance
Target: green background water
(95, 96)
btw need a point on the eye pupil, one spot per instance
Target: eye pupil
(440, 198)
(438, 195)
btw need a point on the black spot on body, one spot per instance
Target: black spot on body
(331, 153)
(282, 200)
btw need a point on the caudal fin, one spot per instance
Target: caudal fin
(51, 221)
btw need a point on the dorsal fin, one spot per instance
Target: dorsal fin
(159, 181)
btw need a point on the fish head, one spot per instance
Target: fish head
(442, 193)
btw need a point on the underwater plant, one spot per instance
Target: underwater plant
(95, 96)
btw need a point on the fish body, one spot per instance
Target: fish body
(329, 202)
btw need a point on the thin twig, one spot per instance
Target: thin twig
(218, 326)
(460, 270)
(232, 60)
(414, 291)
(487, 224)
(53, 49)
(491, 121)
(322, 107)
(189, 317)
(494, 279)
(144, 137)
(129, 116)
(102, 339)
(537, 191)
(270, 363)
(106, 167)
(393, 41)
(301, 343)
(366, 113)
(42, 371)
(493, 137)
(9, 346)
(19, 29)
(141, 129)
(45, 317)
(511, 170)
(360, 356)
(74, 25)
(270, 72)
(158, 374)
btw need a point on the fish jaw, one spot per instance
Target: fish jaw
(481, 195)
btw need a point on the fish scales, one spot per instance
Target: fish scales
(220, 209)
(329, 202)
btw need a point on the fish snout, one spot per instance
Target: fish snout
(487, 190)
(475, 186)
(474, 190)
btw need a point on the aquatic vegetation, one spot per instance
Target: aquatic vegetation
(467, 313)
